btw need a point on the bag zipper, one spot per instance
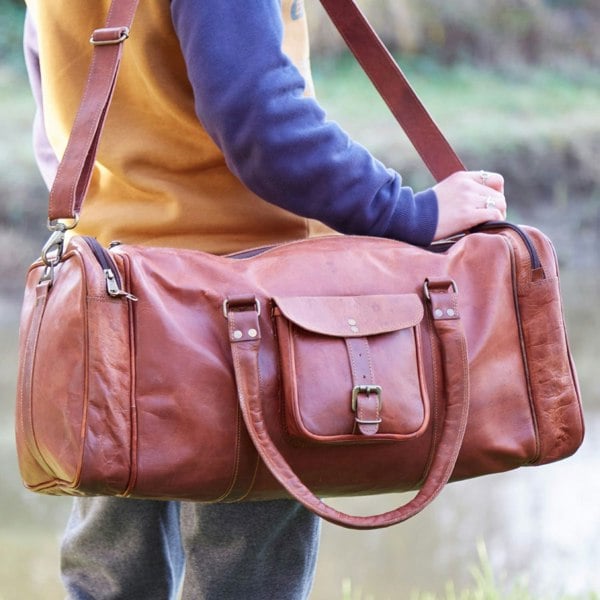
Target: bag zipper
(114, 285)
(536, 263)
(111, 273)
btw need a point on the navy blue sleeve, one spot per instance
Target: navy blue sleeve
(249, 97)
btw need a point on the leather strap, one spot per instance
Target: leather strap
(366, 402)
(75, 170)
(448, 327)
(396, 91)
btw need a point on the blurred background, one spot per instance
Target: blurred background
(515, 85)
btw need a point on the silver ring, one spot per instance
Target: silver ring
(484, 176)
(490, 202)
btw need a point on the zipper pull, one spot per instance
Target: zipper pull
(112, 287)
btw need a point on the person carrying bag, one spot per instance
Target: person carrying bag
(224, 390)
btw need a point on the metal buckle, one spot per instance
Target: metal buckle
(451, 283)
(56, 240)
(228, 301)
(53, 248)
(122, 37)
(368, 390)
(61, 225)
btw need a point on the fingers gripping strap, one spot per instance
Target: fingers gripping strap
(455, 368)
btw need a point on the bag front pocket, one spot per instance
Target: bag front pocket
(351, 367)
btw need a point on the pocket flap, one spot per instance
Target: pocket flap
(352, 316)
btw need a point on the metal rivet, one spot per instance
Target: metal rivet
(450, 312)
(438, 312)
(252, 333)
(354, 329)
(351, 322)
(237, 334)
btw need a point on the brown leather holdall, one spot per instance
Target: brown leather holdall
(324, 367)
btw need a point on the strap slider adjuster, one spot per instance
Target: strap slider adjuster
(108, 36)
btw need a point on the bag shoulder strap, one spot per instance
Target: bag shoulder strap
(75, 170)
(393, 86)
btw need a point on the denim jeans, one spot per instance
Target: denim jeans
(118, 548)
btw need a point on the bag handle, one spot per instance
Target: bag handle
(75, 169)
(244, 337)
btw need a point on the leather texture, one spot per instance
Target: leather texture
(370, 341)
(183, 395)
(324, 367)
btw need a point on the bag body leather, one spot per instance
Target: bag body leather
(140, 398)
(325, 367)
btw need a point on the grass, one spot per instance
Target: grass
(501, 119)
(32, 571)
(23, 196)
(485, 587)
(472, 101)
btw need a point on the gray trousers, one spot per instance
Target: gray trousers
(116, 548)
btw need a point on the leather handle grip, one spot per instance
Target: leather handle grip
(75, 170)
(455, 368)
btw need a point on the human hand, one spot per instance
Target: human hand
(468, 198)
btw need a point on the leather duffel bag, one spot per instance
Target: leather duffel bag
(329, 366)
(325, 367)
